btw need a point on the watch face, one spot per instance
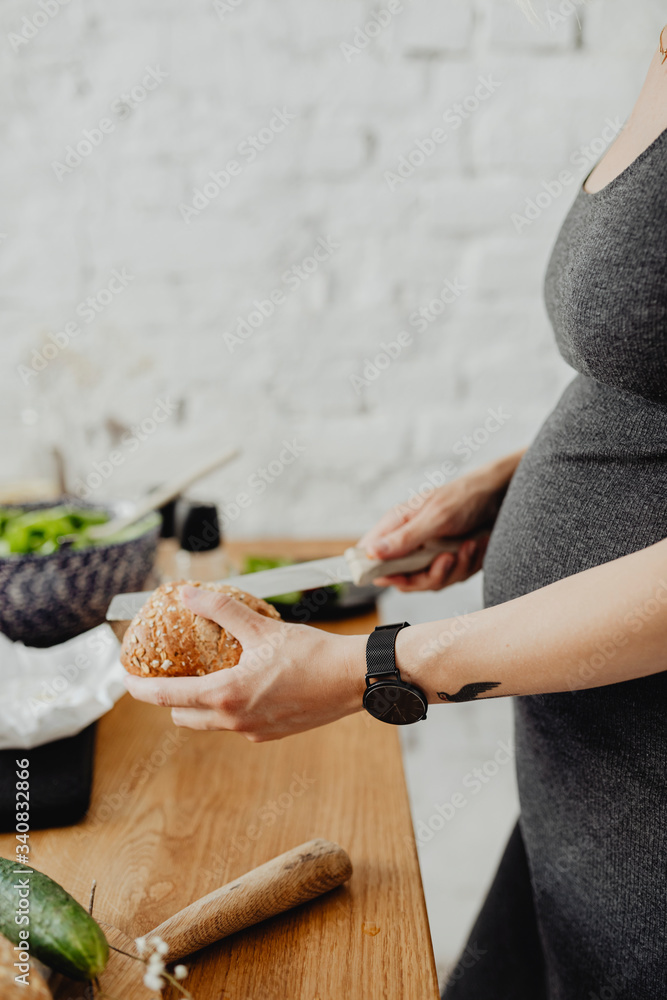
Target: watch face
(394, 703)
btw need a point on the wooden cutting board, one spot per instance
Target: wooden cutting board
(176, 814)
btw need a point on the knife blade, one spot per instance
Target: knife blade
(299, 576)
(354, 565)
(264, 583)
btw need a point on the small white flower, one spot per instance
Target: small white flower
(141, 945)
(160, 946)
(180, 972)
(153, 982)
(155, 963)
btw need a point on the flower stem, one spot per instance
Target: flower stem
(174, 982)
(127, 954)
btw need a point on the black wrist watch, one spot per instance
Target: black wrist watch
(387, 697)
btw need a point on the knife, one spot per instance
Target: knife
(353, 566)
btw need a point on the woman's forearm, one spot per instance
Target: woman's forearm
(494, 479)
(602, 626)
(502, 470)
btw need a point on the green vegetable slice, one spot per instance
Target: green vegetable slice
(254, 564)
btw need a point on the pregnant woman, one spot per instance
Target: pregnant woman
(575, 623)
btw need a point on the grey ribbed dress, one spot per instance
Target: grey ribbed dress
(578, 910)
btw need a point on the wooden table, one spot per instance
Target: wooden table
(176, 813)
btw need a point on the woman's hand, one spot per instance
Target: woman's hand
(290, 677)
(458, 508)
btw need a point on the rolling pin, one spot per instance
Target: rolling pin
(290, 879)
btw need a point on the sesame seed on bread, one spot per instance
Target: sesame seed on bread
(166, 639)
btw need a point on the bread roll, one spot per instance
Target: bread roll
(166, 639)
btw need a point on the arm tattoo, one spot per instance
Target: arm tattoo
(469, 691)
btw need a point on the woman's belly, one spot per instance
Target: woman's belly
(591, 759)
(592, 488)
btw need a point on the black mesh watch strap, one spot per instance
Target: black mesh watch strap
(380, 650)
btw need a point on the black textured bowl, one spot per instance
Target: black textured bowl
(47, 599)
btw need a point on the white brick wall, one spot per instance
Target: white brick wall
(323, 176)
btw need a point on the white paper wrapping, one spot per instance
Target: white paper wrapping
(47, 694)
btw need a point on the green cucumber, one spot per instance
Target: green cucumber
(62, 935)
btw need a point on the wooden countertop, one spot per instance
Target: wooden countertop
(176, 813)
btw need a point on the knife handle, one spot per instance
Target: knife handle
(364, 570)
(286, 881)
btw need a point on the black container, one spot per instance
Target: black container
(329, 604)
(197, 526)
(168, 515)
(61, 778)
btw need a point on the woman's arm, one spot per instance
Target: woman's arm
(602, 626)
